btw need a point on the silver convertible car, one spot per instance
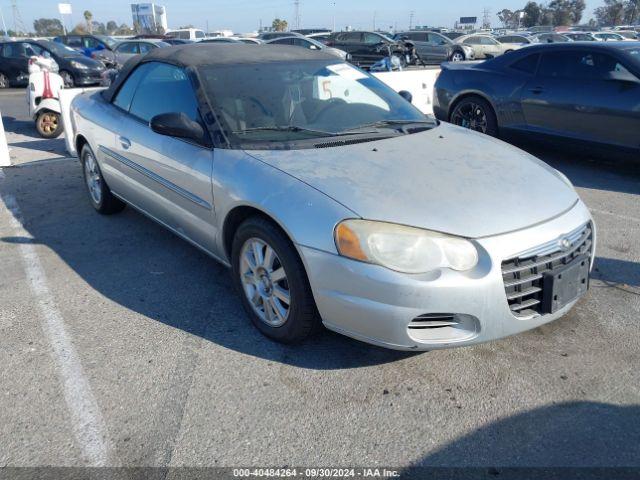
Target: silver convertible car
(333, 200)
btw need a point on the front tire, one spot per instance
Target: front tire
(272, 282)
(67, 78)
(99, 193)
(475, 113)
(457, 57)
(48, 124)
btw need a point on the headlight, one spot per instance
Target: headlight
(403, 249)
(78, 65)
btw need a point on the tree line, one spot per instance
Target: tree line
(51, 27)
(570, 12)
(554, 13)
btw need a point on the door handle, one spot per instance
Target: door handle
(124, 142)
(536, 90)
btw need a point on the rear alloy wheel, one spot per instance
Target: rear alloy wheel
(272, 281)
(67, 78)
(457, 57)
(48, 124)
(101, 197)
(4, 81)
(475, 114)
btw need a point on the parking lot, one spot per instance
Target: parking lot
(123, 345)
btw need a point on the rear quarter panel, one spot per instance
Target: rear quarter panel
(502, 89)
(95, 120)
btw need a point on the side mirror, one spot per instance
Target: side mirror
(406, 95)
(178, 125)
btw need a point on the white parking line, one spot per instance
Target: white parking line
(87, 422)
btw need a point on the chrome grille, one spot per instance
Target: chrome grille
(523, 276)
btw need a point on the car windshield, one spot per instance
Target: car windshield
(60, 49)
(294, 101)
(107, 40)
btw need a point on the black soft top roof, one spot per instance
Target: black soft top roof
(200, 54)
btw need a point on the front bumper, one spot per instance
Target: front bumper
(376, 305)
(92, 77)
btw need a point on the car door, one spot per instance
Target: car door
(490, 47)
(419, 40)
(146, 47)
(125, 51)
(372, 48)
(75, 42)
(351, 42)
(304, 43)
(439, 46)
(586, 95)
(15, 63)
(169, 178)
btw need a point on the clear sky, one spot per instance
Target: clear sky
(245, 15)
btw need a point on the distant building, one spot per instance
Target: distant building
(149, 18)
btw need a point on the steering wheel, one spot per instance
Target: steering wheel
(331, 104)
(261, 107)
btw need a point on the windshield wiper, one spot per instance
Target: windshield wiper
(297, 128)
(284, 128)
(391, 123)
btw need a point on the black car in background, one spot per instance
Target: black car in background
(587, 92)
(435, 48)
(74, 68)
(367, 48)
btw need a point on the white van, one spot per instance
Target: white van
(193, 34)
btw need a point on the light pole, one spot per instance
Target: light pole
(4, 26)
(334, 16)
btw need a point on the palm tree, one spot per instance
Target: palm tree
(88, 16)
(280, 25)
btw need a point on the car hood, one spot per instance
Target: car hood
(447, 179)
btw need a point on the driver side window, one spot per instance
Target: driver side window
(371, 39)
(166, 82)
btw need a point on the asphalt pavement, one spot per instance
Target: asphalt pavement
(122, 345)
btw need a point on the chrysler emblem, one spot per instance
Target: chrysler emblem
(564, 243)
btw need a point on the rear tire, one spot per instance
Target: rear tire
(99, 193)
(49, 124)
(272, 282)
(4, 81)
(475, 113)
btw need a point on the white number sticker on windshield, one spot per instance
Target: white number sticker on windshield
(346, 71)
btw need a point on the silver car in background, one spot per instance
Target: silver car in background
(310, 44)
(335, 201)
(127, 49)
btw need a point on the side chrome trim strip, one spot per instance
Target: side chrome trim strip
(156, 178)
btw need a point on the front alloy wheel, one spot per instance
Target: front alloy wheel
(457, 57)
(272, 281)
(265, 282)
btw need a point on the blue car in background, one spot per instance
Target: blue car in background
(87, 44)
